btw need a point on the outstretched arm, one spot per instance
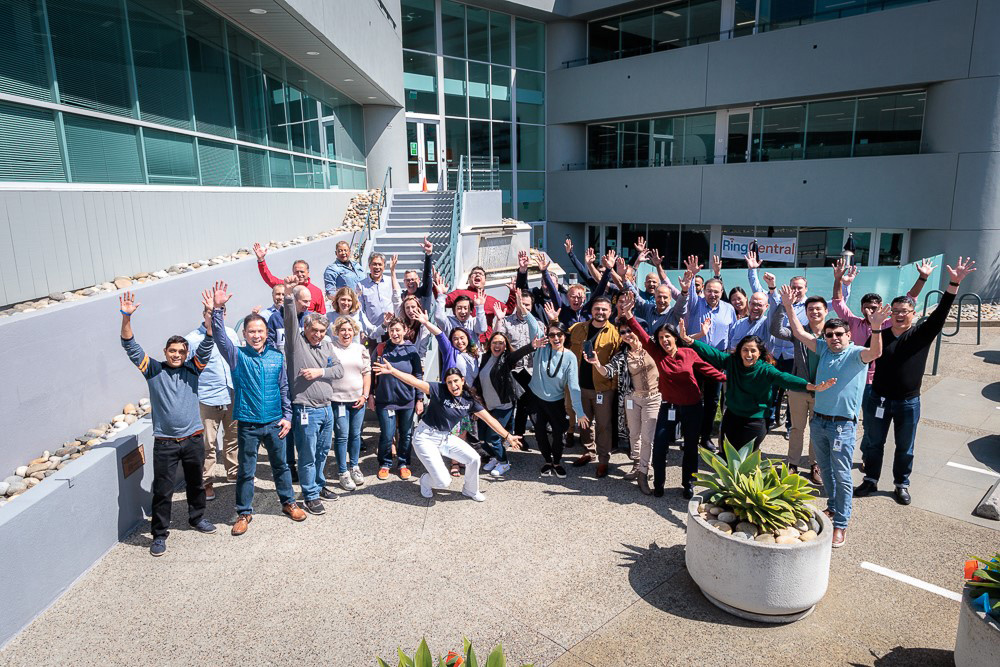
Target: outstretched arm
(798, 330)
(385, 368)
(511, 440)
(265, 273)
(924, 269)
(218, 296)
(874, 350)
(425, 279)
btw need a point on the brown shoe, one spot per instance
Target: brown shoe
(209, 492)
(242, 523)
(583, 460)
(602, 469)
(644, 483)
(817, 478)
(294, 512)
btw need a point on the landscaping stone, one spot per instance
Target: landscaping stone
(789, 532)
(786, 539)
(21, 471)
(121, 282)
(742, 535)
(814, 525)
(715, 510)
(15, 488)
(802, 525)
(808, 536)
(722, 526)
(748, 528)
(728, 517)
(3, 488)
(57, 296)
(766, 538)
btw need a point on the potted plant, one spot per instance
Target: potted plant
(978, 641)
(756, 547)
(467, 658)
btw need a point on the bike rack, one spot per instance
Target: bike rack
(958, 323)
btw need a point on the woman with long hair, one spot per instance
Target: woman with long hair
(350, 393)
(449, 402)
(750, 377)
(738, 300)
(344, 303)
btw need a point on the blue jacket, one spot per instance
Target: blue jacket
(259, 379)
(390, 392)
(339, 274)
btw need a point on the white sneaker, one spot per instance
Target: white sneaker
(357, 476)
(346, 483)
(425, 486)
(490, 465)
(500, 470)
(479, 497)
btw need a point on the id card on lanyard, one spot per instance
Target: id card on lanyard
(880, 410)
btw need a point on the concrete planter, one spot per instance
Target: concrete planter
(978, 641)
(769, 583)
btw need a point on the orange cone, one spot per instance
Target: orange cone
(424, 188)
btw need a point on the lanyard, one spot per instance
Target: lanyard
(548, 364)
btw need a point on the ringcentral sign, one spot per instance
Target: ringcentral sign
(770, 249)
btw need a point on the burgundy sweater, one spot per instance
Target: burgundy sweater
(678, 385)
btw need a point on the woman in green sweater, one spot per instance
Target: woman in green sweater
(750, 375)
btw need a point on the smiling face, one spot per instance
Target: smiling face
(497, 345)
(600, 312)
(798, 286)
(175, 354)
(376, 266)
(739, 302)
(462, 309)
(576, 297)
(343, 252)
(662, 296)
(699, 284)
(713, 293)
(527, 301)
(412, 281)
(396, 331)
(315, 333)
(477, 278)
(652, 281)
(454, 383)
(301, 271)
(302, 299)
(667, 342)
(758, 306)
(837, 338)
(460, 340)
(255, 333)
(278, 295)
(629, 337)
(749, 353)
(902, 315)
(344, 304)
(869, 307)
(556, 338)
(816, 312)
(345, 334)
(411, 309)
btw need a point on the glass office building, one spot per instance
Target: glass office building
(164, 92)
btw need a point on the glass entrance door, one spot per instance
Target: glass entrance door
(738, 136)
(422, 154)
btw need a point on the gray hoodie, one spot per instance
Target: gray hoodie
(300, 354)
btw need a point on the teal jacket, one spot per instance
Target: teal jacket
(260, 385)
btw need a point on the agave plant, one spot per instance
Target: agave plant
(762, 491)
(467, 658)
(986, 580)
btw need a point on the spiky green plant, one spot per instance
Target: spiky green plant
(989, 582)
(762, 491)
(467, 658)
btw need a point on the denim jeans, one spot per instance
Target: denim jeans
(249, 437)
(904, 415)
(492, 442)
(690, 418)
(389, 424)
(833, 443)
(312, 440)
(347, 421)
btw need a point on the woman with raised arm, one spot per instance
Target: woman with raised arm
(449, 403)
(681, 401)
(750, 377)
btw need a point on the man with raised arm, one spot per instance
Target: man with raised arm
(342, 271)
(895, 392)
(177, 429)
(261, 407)
(300, 268)
(835, 419)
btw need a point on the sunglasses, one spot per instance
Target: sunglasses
(555, 334)
(835, 334)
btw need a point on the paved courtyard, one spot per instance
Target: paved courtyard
(563, 572)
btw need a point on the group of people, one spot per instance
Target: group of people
(649, 366)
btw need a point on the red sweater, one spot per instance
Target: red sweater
(678, 385)
(318, 302)
(490, 301)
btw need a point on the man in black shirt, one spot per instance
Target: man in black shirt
(895, 391)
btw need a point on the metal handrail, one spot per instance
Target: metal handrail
(446, 261)
(377, 208)
(958, 322)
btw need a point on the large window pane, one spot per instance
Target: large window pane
(479, 90)
(602, 40)
(477, 23)
(501, 144)
(831, 125)
(665, 150)
(506, 191)
(633, 144)
(456, 140)
(479, 139)
(420, 82)
(695, 241)
(453, 28)
(208, 72)
(88, 44)
(101, 151)
(889, 124)
(248, 88)
(530, 147)
(890, 248)
(218, 163)
(418, 24)
(530, 97)
(23, 70)
(602, 146)
(455, 90)
(782, 133)
(636, 33)
(530, 196)
(253, 168)
(281, 170)
(35, 160)
(499, 38)
(819, 246)
(170, 158)
(530, 41)
(500, 93)
(666, 239)
(705, 17)
(158, 51)
(699, 139)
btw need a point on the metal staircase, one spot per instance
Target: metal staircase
(412, 216)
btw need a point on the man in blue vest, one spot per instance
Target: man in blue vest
(261, 407)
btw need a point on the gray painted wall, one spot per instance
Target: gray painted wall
(67, 361)
(385, 134)
(71, 237)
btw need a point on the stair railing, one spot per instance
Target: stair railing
(958, 322)
(446, 260)
(374, 211)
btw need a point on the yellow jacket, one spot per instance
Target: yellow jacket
(606, 344)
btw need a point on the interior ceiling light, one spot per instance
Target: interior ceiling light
(258, 11)
(348, 80)
(184, 12)
(372, 97)
(312, 53)
(670, 13)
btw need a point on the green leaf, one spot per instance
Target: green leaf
(404, 660)
(496, 658)
(422, 658)
(381, 662)
(470, 656)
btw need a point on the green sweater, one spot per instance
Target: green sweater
(748, 390)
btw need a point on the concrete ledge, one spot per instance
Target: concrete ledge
(53, 534)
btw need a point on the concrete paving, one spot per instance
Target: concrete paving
(563, 572)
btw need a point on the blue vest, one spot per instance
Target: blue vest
(256, 385)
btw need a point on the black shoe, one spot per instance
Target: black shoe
(658, 493)
(865, 488)
(711, 446)
(902, 495)
(204, 526)
(559, 471)
(688, 493)
(314, 506)
(546, 470)
(159, 546)
(327, 494)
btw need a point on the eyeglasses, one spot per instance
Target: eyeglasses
(555, 334)
(835, 334)
(901, 312)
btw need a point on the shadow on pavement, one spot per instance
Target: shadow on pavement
(986, 450)
(992, 392)
(989, 356)
(907, 657)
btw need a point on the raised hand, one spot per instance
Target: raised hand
(787, 296)
(386, 316)
(421, 316)
(440, 286)
(480, 299)
(498, 311)
(568, 245)
(383, 368)
(291, 281)
(654, 257)
(682, 332)
(128, 304)
(220, 294)
(522, 261)
(879, 316)
(686, 281)
(692, 265)
(392, 263)
(551, 311)
(539, 342)
(706, 326)
(260, 251)
(255, 310)
(589, 257)
(924, 268)
(850, 274)
(626, 302)
(208, 301)
(620, 266)
(753, 260)
(512, 284)
(823, 386)
(716, 265)
(543, 261)
(839, 268)
(770, 280)
(427, 246)
(961, 270)
(640, 245)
